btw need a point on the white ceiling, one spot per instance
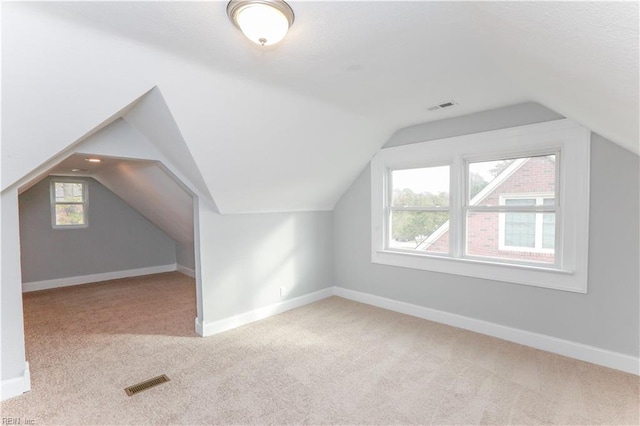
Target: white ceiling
(289, 127)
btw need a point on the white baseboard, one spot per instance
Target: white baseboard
(606, 358)
(16, 386)
(187, 271)
(215, 327)
(93, 278)
(199, 328)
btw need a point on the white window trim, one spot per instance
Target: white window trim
(85, 202)
(568, 138)
(539, 197)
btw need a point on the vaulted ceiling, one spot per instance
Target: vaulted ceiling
(289, 127)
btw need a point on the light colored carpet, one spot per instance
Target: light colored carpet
(334, 361)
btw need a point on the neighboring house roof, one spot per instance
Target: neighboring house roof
(486, 191)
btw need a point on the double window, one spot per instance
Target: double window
(68, 203)
(510, 205)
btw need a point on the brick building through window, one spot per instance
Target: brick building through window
(528, 236)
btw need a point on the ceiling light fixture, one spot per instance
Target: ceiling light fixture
(93, 160)
(264, 22)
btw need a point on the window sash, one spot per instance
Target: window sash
(390, 208)
(55, 203)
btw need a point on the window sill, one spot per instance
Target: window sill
(69, 227)
(532, 275)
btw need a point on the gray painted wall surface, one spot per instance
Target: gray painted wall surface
(511, 116)
(607, 317)
(117, 238)
(248, 257)
(185, 256)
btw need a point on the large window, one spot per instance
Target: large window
(68, 203)
(509, 205)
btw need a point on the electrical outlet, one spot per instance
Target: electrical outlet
(283, 291)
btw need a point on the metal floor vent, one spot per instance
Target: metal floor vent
(132, 390)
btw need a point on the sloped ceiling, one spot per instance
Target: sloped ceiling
(289, 127)
(144, 161)
(145, 186)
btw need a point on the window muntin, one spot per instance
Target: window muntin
(419, 206)
(563, 228)
(69, 203)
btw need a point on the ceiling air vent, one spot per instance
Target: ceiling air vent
(442, 105)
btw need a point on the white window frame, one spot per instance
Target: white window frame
(85, 202)
(502, 229)
(569, 140)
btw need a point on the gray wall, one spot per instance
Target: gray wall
(185, 256)
(117, 238)
(606, 317)
(246, 258)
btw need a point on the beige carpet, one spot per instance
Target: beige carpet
(334, 361)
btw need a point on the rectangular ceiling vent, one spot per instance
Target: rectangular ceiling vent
(442, 105)
(147, 384)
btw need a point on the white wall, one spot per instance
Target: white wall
(61, 79)
(117, 238)
(12, 326)
(606, 317)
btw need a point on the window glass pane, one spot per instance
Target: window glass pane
(424, 187)
(488, 180)
(68, 192)
(548, 226)
(484, 233)
(520, 229)
(423, 231)
(69, 214)
(548, 230)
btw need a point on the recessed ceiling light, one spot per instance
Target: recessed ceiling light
(93, 160)
(79, 170)
(264, 22)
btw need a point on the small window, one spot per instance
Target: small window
(68, 203)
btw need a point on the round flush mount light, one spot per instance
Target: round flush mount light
(264, 22)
